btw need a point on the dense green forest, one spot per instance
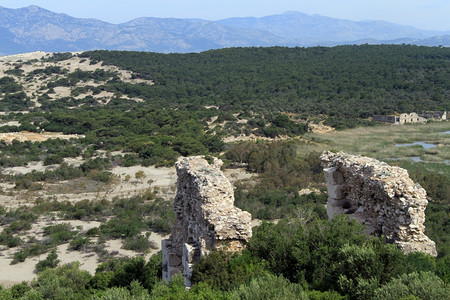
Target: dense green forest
(340, 82)
(344, 85)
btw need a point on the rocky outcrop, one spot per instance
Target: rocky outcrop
(379, 196)
(206, 217)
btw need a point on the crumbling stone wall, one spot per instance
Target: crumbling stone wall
(379, 196)
(206, 217)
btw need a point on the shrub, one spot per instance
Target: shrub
(122, 226)
(19, 225)
(93, 231)
(101, 176)
(269, 287)
(63, 282)
(18, 290)
(223, 271)
(9, 240)
(424, 285)
(33, 250)
(22, 184)
(50, 262)
(58, 234)
(53, 159)
(79, 243)
(138, 243)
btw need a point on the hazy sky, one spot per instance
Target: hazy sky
(425, 14)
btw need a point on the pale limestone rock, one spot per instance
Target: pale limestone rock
(380, 196)
(206, 217)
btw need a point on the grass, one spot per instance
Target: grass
(379, 142)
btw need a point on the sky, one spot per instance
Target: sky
(424, 14)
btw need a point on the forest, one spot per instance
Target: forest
(345, 82)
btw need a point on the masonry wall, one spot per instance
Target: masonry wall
(381, 197)
(206, 217)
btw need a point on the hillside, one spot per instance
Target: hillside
(347, 81)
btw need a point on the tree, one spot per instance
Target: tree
(140, 175)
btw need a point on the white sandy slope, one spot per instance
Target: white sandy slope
(29, 62)
(25, 271)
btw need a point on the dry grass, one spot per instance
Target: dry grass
(379, 142)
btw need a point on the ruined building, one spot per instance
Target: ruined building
(206, 217)
(379, 196)
(400, 119)
(434, 115)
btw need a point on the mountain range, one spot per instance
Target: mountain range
(36, 29)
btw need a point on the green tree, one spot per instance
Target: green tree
(140, 175)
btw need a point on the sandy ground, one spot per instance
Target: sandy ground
(320, 128)
(10, 123)
(252, 137)
(25, 271)
(36, 137)
(38, 85)
(162, 180)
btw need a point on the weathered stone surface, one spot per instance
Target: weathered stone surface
(380, 196)
(206, 217)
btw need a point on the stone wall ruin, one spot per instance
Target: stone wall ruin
(206, 217)
(379, 196)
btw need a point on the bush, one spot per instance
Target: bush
(20, 289)
(424, 285)
(53, 160)
(122, 226)
(303, 251)
(59, 233)
(79, 243)
(9, 240)
(33, 250)
(360, 269)
(19, 225)
(22, 184)
(36, 187)
(50, 262)
(223, 271)
(138, 243)
(101, 176)
(64, 282)
(269, 287)
(93, 231)
(101, 280)
(176, 290)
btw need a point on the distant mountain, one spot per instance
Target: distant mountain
(306, 29)
(33, 28)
